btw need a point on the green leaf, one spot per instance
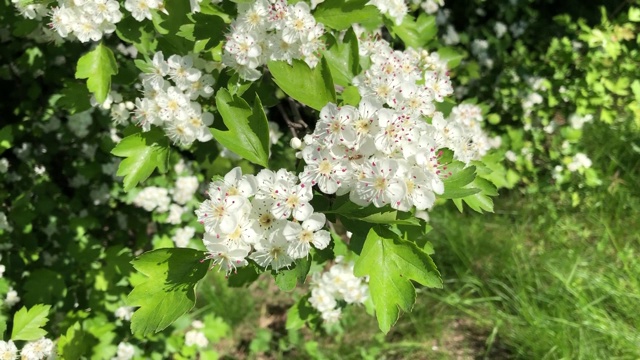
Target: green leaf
(140, 34)
(454, 185)
(343, 57)
(72, 345)
(371, 214)
(44, 286)
(169, 290)
(6, 138)
(97, 66)
(351, 96)
(312, 87)
(27, 324)
(248, 129)
(634, 14)
(288, 279)
(415, 33)
(391, 264)
(299, 314)
(340, 14)
(451, 56)
(75, 98)
(209, 27)
(143, 152)
(481, 200)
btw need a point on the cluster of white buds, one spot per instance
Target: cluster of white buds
(266, 218)
(272, 30)
(171, 89)
(337, 284)
(87, 20)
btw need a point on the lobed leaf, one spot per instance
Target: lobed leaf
(391, 264)
(343, 58)
(169, 289)
(97, 66)
(27, 324)
(248, 129)
(415, 33)
(144, 152)
(341, 14)
(312, 87)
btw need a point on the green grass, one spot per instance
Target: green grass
(525, 282)
(534, 282)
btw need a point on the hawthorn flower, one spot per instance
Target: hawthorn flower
(272, 251)
(301, 236)
(220, 212)
(380, 184)
(271, 30)
(8, 350)
(336, 126)
(184, 189)
(337, 284)
(323, 169)
(182, 236)
(12, 298)
(292, 200)
(171, 91)
(125, 351)
(35, 350)
(153, 198)
(195, 337)
(224, 256)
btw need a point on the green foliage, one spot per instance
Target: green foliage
(343, 58)
(248, 131)
(287, 280)
(168, 291)
(415, 33)
(98, 66)
(341, 14)
(28, 323)
(144, 152)
(392, 263)
(6, 137)
(312, 87)
(72, 345)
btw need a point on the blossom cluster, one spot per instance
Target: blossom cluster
(87, 20)
(141, 9)
(397, 9)
(465, 122)
(159, 199)
(119, 109)
(171, 89)
(272, 30)
(266, 218)
(390, 155)
(195, 336)
(337, 284)
(34, 350)
(410, 81)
